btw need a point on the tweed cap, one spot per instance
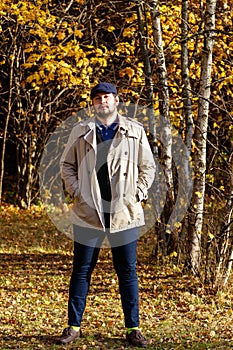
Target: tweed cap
(105, 87)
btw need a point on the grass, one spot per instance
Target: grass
(36, 262)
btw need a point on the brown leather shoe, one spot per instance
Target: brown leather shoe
(69, 335)
(136, 338)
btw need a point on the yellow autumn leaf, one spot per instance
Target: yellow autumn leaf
(128, 32)
(78, 33)
(199, 194)
(84, 95)
(178, 224)
(173, 254)
(131, 19)
(111, 28)
(64, 25)
(61, 35)
(83, 104)
(130, 72)
(210, 235)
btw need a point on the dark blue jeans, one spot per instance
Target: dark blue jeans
(124, 261)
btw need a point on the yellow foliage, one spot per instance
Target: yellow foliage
(83, 104)
(129, 32)
(211, 235)
(131, 19)
(78, 33)
(173, 254)
(129, 71)
(61, 35)
(124, 47)
(60, 40)
(54, 61)
(111, 28)
(228, 80)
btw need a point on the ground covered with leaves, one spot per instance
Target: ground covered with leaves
(36, 261)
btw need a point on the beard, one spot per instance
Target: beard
(106, 111)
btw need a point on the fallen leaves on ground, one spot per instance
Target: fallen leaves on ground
(35, 268)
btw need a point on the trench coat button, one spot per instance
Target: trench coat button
(126, 153)
(125, 174)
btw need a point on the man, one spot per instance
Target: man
(107, 167)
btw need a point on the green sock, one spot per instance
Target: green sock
(76, 329)
(129, 330)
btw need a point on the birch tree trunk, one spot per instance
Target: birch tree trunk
(200, 138)
(224, 266)
(186, 127)
(165, 128)
(149, 90)
(149, 86)
(186, 91)
(229, 222)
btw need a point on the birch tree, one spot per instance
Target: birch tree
(200, 139)
(187, 123)
(149, 86)
(225, 255)
(165, 127)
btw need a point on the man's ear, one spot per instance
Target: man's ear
(117, 100)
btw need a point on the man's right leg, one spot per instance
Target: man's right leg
(84, 261)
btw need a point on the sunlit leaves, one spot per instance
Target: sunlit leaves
(51, 39)
(126, 48)
(78, 33)
(111, 28)
(127, 71)
(53, 51)
(129, 32)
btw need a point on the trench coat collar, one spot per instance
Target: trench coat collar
(89, 125)
(124, 129)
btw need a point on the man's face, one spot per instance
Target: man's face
(105, 104)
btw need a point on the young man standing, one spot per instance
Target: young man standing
(107, 167)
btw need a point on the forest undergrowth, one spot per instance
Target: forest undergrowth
(176, 310)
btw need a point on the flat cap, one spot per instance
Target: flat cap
(107, 88)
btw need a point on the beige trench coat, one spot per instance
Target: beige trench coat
(131, 170)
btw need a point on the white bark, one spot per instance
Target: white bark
(149, 86)
(163, 101)
(186, 92)
(225, 262)
(200, 139)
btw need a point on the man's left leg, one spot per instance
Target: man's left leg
(124, 260)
